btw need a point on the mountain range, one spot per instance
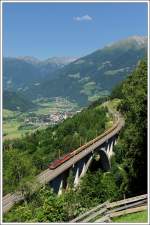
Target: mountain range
(84, 79)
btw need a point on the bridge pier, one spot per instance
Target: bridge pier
(115, 142)
(110, 146)
(60, 182)
(110, 150)
(86, 165)
(60, 190)
(81, 168)
(76, 180)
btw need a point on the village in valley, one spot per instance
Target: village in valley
(57, 109)
(48, 119)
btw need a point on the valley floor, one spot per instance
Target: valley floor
(49, 112)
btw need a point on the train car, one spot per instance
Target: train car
(59, 161)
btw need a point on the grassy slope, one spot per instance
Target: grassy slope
(112, 105)
(140, 217)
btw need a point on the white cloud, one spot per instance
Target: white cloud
(83, 18)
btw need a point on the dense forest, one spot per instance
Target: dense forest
(127, 177)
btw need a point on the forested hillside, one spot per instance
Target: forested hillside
(131, 151)
(16, 102)
(127, 177)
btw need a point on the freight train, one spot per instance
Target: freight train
(68, 156)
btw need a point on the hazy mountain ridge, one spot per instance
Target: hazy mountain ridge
(20, 72)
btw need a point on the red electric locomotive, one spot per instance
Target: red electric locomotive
(60, 161)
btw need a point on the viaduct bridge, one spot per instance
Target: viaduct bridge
(100, 148)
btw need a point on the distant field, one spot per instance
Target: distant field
(10, 124)
(48, 106)
(140, 217)
(10, 129)
(8, 113)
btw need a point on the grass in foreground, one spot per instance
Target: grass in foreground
(140, 217)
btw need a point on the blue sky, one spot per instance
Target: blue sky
(45, 30)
